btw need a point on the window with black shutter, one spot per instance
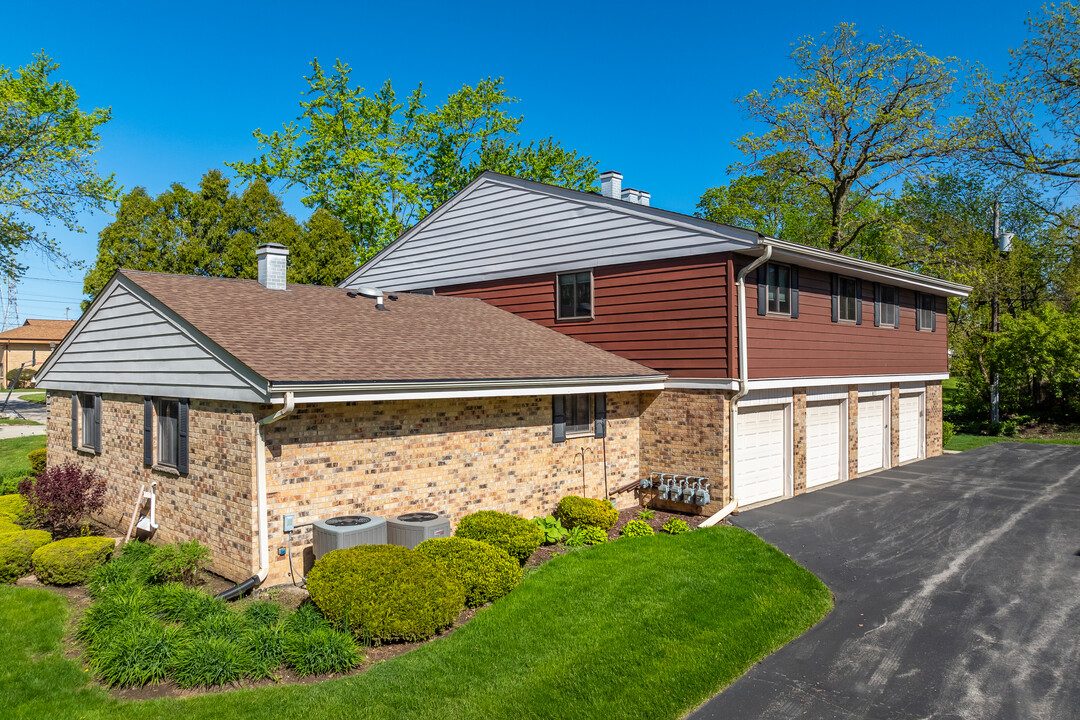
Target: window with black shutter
(168, 432)
(89, 422)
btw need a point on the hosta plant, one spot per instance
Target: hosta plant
(553, 530)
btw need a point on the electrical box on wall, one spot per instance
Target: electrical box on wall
(289, 521)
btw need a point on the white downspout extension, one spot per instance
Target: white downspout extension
(260, 483)
(744, 369)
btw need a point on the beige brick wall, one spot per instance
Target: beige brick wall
(687, 432)
(853, 431)
(933, 419)
(894, 425)
(798, 440)
(447, 456)
(213, 503)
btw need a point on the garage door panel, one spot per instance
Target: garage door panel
(824, 443)
(871, 433)
(760, 454)
(911, 422)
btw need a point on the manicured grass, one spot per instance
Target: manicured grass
(970, 442)
(18, 421)
(13, 460)
(642, 628)
(38, 398)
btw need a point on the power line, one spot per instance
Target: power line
(74, 282)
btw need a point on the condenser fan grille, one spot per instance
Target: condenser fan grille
(418, 517)
(348, 521)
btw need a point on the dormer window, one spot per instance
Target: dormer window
(575, 296)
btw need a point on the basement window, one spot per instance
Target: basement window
(575, 296)
(168, 432)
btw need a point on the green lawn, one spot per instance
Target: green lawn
(38, 398)
(643, 628)
(13, 460)
(17, 421)
(970, 442)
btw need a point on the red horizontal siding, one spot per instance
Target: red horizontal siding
(670, 315)
(812, 345)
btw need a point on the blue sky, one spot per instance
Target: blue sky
(645, 88)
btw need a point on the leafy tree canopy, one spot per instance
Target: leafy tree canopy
(214, 232)
(47, 172)
(379, 163)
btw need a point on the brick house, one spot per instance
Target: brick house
(245, 400)
(789, 367)
(30, 343)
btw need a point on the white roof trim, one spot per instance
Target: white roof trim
(808, 382)
(702, 384)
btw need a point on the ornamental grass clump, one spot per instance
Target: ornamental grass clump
(264, 645)
(208, 662)
(576, 511)
(180, 562)
(636, 528)
(517, 536)
(228, 625)
(385, 593)
(135, 651)
(16, 550)
(71, 561)
(485, 572)
(262, 613)
(320, 652)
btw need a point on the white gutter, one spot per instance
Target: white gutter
(260, 483)
(744, 370)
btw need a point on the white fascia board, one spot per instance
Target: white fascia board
(371, 392)
(816, 258)
(782, 383)
(702, 384)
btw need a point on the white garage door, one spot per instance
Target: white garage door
(910, 427)
(872, 433)
(823, 443)
(760, 454)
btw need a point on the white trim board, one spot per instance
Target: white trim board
(808, 382)
(702, 384)
(421, 393)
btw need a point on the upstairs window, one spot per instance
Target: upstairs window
(778, 290)
(925, 312)
(575, 296)
(846, 299)
(168, 432)
(887, 305)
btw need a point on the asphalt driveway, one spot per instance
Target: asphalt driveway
(957, 584)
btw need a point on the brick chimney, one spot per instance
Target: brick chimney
(611, 184)
(272, 265)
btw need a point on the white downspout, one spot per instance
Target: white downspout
(744, 370)
(260, 482)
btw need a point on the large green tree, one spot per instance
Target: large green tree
(379, 163)
(857, 115)
(47, 171)
(213, 231)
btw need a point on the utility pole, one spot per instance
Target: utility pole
(995, 415)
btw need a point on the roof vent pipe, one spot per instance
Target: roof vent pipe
(370, 292)
(272, 265)
(611, 184)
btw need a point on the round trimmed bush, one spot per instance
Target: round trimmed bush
(72, 561)
(675, 526)
(576, 511)
(517, 536)
(636, 528)
(7, 525)
(484, 571)
(16, 550)
(37, 461)
(323, 651)
(593, 535)
(13, 508)
(385, 592)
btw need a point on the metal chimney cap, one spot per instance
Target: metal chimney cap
(370, 292)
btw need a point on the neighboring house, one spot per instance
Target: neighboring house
(245, 400)
(31, 343)
(835, 372)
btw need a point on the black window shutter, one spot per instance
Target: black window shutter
(933, 314)
(74, 421)
(794, 276)
(763, 289)
(148, 431)
(877, 305)
(182, 436)
(97, 423)
(918, 311)
(896, 307)
(858, 301)
(558, 418)
(835, 282)
(600, 415)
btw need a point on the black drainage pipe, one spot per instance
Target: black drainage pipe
(239, 590)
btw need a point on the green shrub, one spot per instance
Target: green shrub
(386, 592)
(14, 508)
(264, 645)
(552, 529)
(517, 536)
(7, 526)
(209, 662)
(636, 528)
(131, 565)
(323, 651)
(71, 561)
(593, 535)
(37, 461)
(16, 550)
(9, 485)
(262, 613)
(25, 376)
(181, 562)
(576, 511)
(484, 571)
(135, 651)
(575, 537)
(675, 526)
(645, 514)
(947, 432)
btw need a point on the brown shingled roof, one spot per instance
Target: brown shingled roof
(34, 330)
(309, 333)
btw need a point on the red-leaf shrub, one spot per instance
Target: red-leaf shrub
(63, 495)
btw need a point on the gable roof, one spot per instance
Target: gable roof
(35, 330)
(320, 335)
(500, 227)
